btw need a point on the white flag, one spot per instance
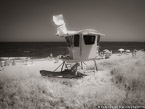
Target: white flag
(58, 19)
(61, 30)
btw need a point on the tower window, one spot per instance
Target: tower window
(76, 40)
(89, 39)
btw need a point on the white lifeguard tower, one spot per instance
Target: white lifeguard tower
(83, 45)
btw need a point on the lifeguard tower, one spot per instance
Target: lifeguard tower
(83, 45)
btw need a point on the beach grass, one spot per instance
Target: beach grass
(130, 76)
(119, 80)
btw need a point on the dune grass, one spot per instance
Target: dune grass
(130, 76)
(119, 81)
(36, 92)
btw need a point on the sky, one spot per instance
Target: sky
(31, 20)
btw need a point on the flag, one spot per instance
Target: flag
(58, 19)
(61, 30)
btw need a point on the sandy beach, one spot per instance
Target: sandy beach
(119, 81)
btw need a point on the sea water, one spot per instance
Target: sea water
(44, 49)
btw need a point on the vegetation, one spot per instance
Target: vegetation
(119, 81)
(130, 76)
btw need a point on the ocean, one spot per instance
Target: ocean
(44, 49)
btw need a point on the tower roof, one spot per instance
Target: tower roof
(85, 32)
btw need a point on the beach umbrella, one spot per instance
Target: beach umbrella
(106, 51)
(128, 51)
(121, 50)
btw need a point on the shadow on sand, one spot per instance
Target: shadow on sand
(64, 74)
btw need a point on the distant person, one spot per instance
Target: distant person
(57, 59)
(7, 62)
(1, 67)
(134, 53)
(51, 55)
(13, 62)
(0, 62)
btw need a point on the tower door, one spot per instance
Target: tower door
(76, 46)
(89, 46)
